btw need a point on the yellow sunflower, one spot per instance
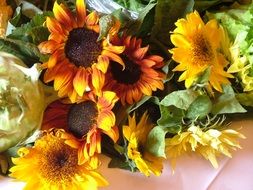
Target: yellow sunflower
(75, 51)
(51, 164)
(140, 75)
(85, 122)
(136, 135)
(209, 144)
(197, 48)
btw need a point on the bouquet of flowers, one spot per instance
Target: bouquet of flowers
(143, 82)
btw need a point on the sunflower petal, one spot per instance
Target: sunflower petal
(80, 81)
(81, 12)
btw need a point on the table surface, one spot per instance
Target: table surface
(192, 172)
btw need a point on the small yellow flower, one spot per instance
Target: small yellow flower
(53, 165)
(241, 66)
(136, 135)
(197, 47)
(209, 144)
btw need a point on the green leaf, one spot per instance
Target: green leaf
(16, 19)
(145, 99)
(180, 99)
(202, 5)
(138, 23)
(28, 52)
(199, 108)
(227, 102)
(105, 23)
(123, 16)
(167, 13)
(245, 99)
(204, 78)
(156, 142)
(32, 32)
(171, 119)
(134, 5)
(122, 164)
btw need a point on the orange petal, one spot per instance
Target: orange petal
(51, 73)
(62, 78)
(58, 38)
(48, 46)
(80, 81)
(72, 95)
(64, 16)
(106, 120)
(113, 133)
(113, 57)
(92, 19)
(53, 59)
(64, 90)
(81, 12)
(103, 63)
(107, 100)
(140, 53)
(98, 80)
(147, 62)
(53, 25)
(133, 43)
(115, 49)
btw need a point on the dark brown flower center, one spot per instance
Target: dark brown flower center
(130, 75)
(82, 48)
(81, 118)
(202, 50)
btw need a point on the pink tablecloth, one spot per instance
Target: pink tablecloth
(192, 172)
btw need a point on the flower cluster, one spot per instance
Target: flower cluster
(113, 84)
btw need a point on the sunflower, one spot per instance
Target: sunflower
(54, 165)
(197, 48)
(85, 122)
(139, 76)
(75, 51)
(136, 135)
(209, 144)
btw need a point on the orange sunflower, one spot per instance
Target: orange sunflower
(141, 74)
(85, 122)
(75, 51)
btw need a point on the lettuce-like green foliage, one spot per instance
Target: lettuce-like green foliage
(22, 101)
(238, 21)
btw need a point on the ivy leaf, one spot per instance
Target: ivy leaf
(180, 99)
(199, 108)
(156, 142)
(167, 13)
(171, 118)
(227, 102)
